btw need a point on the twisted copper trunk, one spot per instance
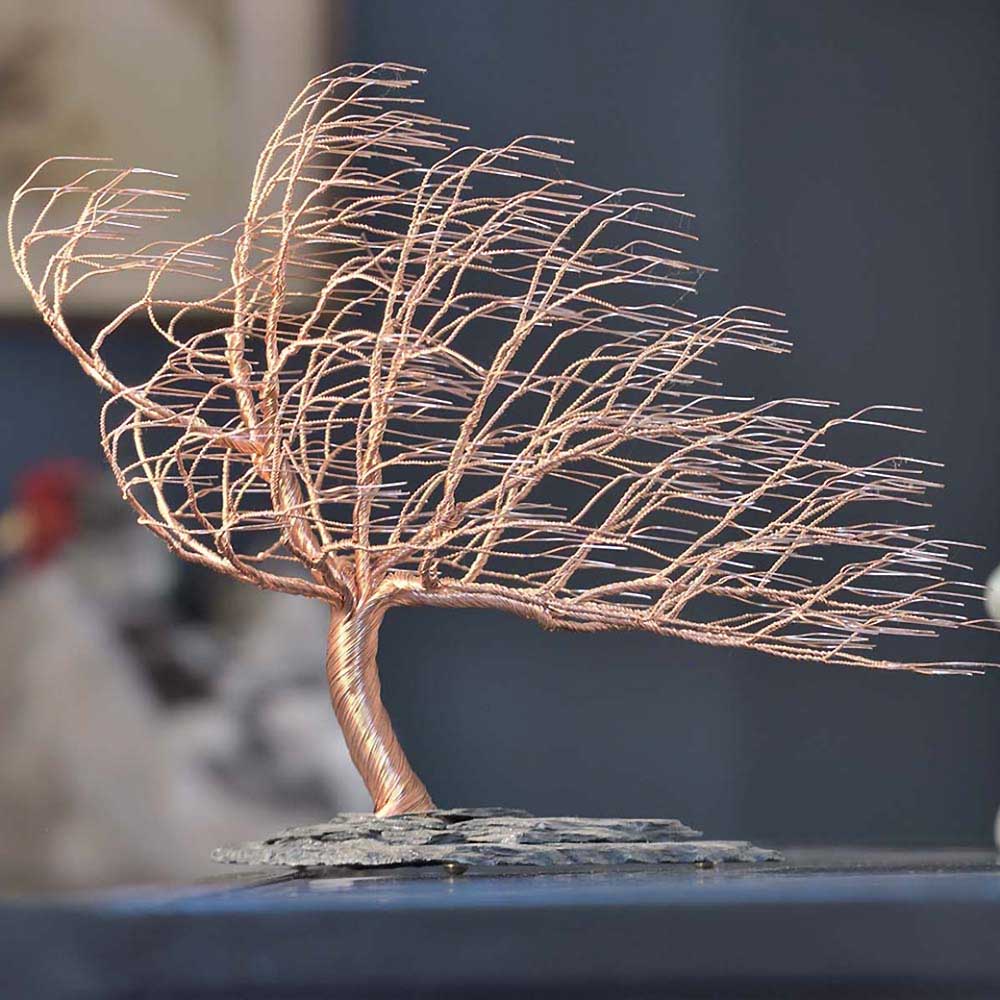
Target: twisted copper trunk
(356, 694)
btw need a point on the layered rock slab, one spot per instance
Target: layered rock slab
(487, 837)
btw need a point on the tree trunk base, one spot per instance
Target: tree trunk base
(488, 837)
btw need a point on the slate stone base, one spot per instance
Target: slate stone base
(487, 837)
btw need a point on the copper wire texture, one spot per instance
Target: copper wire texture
(428, 373)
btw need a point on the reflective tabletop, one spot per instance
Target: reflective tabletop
(823, 922)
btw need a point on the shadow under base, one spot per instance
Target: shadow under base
(487, 837)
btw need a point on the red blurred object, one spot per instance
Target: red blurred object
(48, 495)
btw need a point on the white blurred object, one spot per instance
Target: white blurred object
(991, 597)
(80, 756)
(992, 594)
(102, 780)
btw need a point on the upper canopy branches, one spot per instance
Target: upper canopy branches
(435, 373)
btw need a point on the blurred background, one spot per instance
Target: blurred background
(842, 158)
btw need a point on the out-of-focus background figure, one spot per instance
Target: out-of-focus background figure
(148, 711)
(842, 160)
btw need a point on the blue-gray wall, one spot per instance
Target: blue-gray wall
(842, 158)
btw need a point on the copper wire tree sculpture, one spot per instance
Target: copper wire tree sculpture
(427, 373)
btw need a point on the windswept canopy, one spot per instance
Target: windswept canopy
(449, 374)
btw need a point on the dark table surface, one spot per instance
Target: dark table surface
(866, 923)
